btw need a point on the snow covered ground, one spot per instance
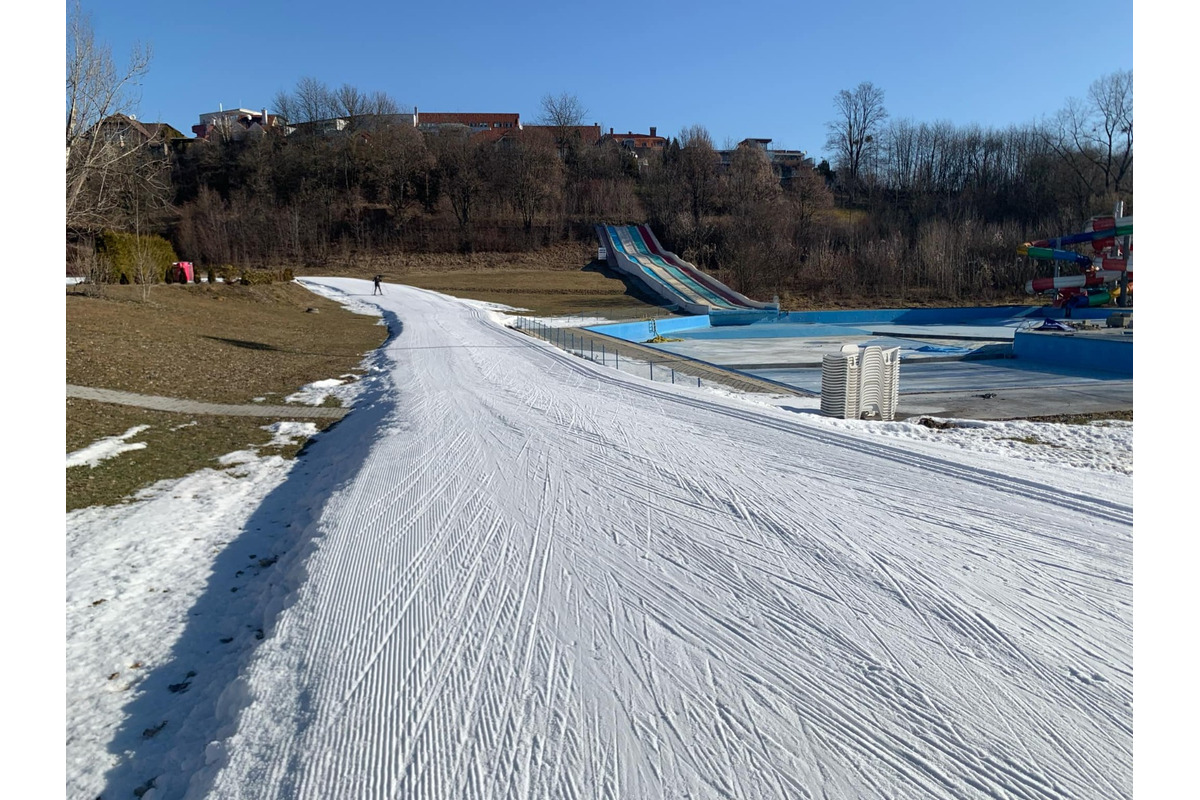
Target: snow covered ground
(512, 572)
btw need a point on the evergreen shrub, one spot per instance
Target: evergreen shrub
(119, 250)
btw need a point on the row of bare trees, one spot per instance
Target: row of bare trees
(906, 205)
(1067, 165)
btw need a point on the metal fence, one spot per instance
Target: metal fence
(606, 352)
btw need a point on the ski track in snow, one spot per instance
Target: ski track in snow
(552, 580)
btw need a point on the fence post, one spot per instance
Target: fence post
(672, 375)
(651, 370)
(603, 354)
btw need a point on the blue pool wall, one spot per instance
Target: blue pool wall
(1108, 353)
(842, 322)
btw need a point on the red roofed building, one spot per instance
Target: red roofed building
(637, 142)
(474, 121)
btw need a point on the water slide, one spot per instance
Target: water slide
(1099, 271)
(1100, 232)
(734, 298)
(635, 251)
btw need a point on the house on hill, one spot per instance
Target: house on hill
(785, 163)
(237, 124)
(502, 138)
(125, 131)
(637, 142)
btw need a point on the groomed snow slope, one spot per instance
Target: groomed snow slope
(549, 579)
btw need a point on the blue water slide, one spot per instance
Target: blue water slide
(671, 271)
(734, 298)
(659, 270)
(620, 260)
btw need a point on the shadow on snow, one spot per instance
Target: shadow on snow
(193, 698)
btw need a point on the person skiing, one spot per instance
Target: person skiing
(378, 285)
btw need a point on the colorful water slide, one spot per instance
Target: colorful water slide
(1099, 232)
(633, 250)
(1089, 279)
(636, 247)
(734, 298)
(1099, 271)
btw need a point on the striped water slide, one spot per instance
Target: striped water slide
(656, 272)
(670, 272)
(734, 298)
(1101, 233)
(1098, 228)
(1098, 278)
(620, 257)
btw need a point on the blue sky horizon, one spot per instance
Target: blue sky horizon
(771, 71)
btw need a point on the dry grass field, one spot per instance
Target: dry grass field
(211, 343)
(223, 343)
(553, 281)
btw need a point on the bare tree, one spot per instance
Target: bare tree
(311, 101)
(97, 168)
(350, 101)
(458, 174)
(1093, 140)
(562, 112)
(751, 180)
(698, 170)
(528, 175)
(1112, 97)
(362, 110)
(854, 133)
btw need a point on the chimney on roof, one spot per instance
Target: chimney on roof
(610, 133)
(653, 131)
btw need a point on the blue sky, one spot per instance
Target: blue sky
(770, 69)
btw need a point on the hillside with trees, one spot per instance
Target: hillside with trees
(905, 208)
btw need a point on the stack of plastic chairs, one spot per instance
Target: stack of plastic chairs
(857, 383)
(870, 382)
(890, 394)
(839, 383)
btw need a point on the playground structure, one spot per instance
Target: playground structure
(635, 251)
(1107, 274)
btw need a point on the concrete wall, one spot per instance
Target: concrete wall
(1108, 352)
(640, 331)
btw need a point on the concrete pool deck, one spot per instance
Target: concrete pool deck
(947, 368)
